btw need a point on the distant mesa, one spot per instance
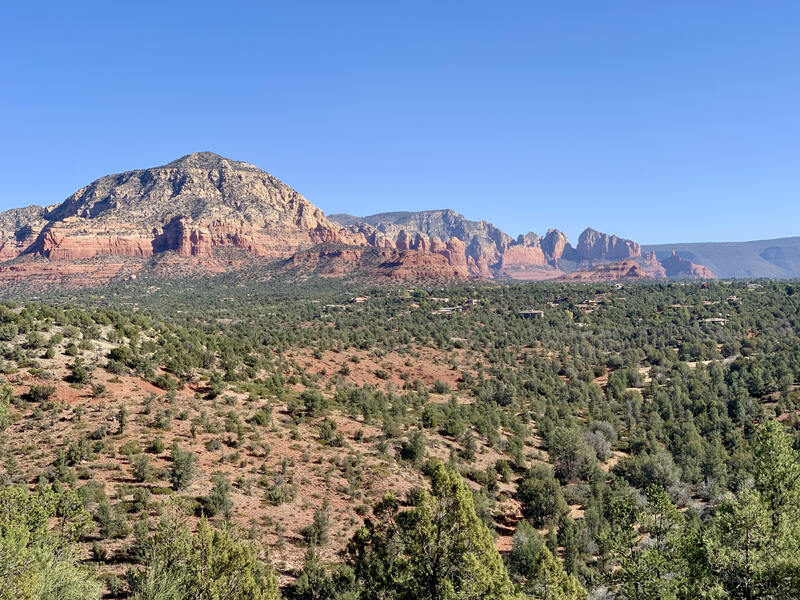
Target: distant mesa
(187, 212)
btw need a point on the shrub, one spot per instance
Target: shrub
(142, 470)
(41, 393)
(182, 470)
(219, 500)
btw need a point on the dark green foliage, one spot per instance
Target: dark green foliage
(110, 521)
(317, 583)
(182, 468)
(211, 564)
(612, 393)
(219, 501)
(413, 449)
(541, 496)
(537, 571)
(79, 373)
(142, 470)
(314, 402)
(317, 533)
(436, 549)
(41, 393)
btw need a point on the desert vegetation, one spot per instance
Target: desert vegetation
(253, 440)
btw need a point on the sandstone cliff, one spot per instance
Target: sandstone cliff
(190, 206)
(373, 263)
(18, 230)
(678, 267)
(596, 245)
(201, 205)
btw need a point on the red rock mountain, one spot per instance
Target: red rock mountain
(675, 266)
(188, 211)
(593, 245)
(190, 206)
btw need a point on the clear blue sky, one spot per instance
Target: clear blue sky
(662, 121)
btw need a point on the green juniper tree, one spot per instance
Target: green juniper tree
(437, 549)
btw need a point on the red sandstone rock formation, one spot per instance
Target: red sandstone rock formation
(652, 268)
(403, 241)
(203, 204)
(554, 243)
(456, 255)
(675, 266)
(375, 263)
(623, 269)
(594, 245)
(190, 206)
(437, 245)
(481, 268)
(521, 257)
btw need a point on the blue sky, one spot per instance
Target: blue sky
(660, 121)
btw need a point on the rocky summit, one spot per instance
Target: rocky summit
(189, 206)
(192, 209)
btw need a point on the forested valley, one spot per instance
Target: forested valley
(233, 439)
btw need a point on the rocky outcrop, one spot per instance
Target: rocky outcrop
(489, 251)
(652, 268)
(374, 264)
(623, 269)
(555, 244)
(41, 274)
(482, 239)
(480, 267)
(594, 245)
(680, 268)
(419, 266)
(202, 205)
(18, 230)
(522, 257)
(456, 254)
(191, 206)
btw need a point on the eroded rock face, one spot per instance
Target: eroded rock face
(375, 263)
(203, 204)
(521, 257)
(191, 206)
(555, 243)
(414, 265)
(41, 274)
(456, 253)
(678, 267)
(652, 268)
(18, 230)
(482, 239)
(623, 269)
(490, 252)
(593, 245)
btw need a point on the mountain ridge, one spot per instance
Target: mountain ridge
(201, 203)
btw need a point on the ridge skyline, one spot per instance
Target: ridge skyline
(204, 201)
(209, 157)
